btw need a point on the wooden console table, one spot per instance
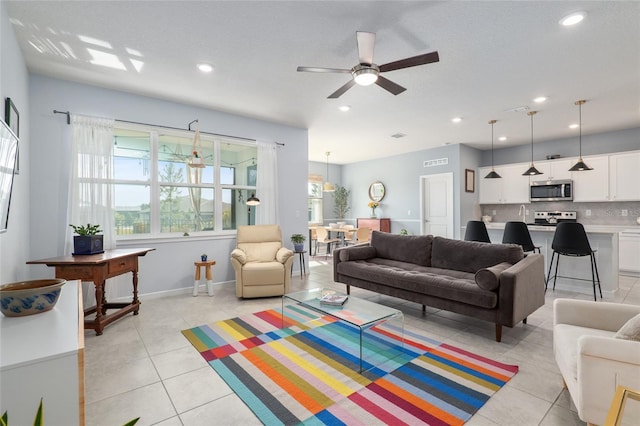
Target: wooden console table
(97, 268)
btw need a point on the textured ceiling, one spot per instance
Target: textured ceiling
(494, 56)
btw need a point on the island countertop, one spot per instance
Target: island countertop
(597, 229)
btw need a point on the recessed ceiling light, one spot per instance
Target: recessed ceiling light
(205, 67)
(574, 126)
(572, 18)
(456, 119)
(344, 108)
(540, 99)
(502, 138)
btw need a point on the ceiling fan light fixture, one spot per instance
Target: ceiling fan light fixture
(365, 75)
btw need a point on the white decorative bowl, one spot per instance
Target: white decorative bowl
(24, 298)
(341, 224)
(333, 225)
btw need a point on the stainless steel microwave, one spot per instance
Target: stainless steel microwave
(551, 190)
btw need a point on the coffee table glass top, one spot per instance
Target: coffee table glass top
(358, 312)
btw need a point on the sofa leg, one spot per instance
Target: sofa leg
(524, 321)
(348, 289)
(498, 332)
(424, 308)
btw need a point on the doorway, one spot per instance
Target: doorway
(436, 200)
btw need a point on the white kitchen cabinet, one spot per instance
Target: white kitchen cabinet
(553, 170)
(512, 188)
(625, 176)
(592, 185)
(42, 356)
(630, 250)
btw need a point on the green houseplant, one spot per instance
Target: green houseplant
(298, 242)
(88, 241)
(341, 201)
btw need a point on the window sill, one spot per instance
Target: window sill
(137, 240)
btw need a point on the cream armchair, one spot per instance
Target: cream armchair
(261, 263)
(592, 361)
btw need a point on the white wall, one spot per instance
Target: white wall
(171, 265)
(14, 247)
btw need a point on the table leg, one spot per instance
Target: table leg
(209, 276)
(135, 292)
(196, 281)
(99, 309)
(104, 298)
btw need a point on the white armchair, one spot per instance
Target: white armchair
(592, 361)
(261, 263)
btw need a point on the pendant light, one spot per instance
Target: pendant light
(253, 200)
(328, 186)
(580, 166)
(532, 171)
(492, 174)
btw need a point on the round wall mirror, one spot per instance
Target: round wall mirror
(376, 191)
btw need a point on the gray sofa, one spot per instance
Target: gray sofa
(491, 282)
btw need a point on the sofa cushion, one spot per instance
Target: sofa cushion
(260, 252)
(470, 256)
(421, 280)
(406, 248)
(630, 330)
(489, 278)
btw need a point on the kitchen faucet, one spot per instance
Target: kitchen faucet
(522, 211)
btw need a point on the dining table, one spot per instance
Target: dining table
(340, 231)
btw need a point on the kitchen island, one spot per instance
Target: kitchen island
(603, 239)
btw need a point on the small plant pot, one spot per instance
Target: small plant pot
(87, 244)
(298, 247)
(203, 258)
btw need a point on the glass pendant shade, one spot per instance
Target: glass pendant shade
(328, 186)
(532, 171)
(580, 166)
(492, 174)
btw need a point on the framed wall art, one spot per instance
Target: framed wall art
(469, 180)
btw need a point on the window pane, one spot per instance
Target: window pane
(241, 164)
(315, 210)
(315, 189)
(132, 209)
(186, 209)
(131, 155)
(174, 155)
(235, 211)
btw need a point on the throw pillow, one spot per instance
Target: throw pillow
(630, 330)
(489, 278)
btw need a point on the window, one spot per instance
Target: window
(157, 192)
(315, 199)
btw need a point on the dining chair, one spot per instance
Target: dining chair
(349, 234)
(363, 235)
(323, 238)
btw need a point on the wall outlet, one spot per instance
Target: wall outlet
(526, 212)
(587, 212)
(625, 212)
(493, 212)
(408, 212)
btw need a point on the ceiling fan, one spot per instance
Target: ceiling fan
(367, 73)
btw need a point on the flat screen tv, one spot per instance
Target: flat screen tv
(8, 155)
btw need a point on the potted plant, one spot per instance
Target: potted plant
(88, 241)
(298, 242)
(341, 201)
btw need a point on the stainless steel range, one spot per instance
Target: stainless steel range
(553, 218)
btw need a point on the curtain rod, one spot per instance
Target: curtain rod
(68, 114)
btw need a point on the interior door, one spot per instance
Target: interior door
(437, 205)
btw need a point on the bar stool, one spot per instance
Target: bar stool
(518, 233)
(476, 231)
(207, 264)
(570, 239)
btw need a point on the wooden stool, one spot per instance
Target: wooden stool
(208, 274)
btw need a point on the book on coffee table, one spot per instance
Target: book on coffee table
(333, 299)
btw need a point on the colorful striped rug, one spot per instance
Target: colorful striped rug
(307, 372)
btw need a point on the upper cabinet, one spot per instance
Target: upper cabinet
(624, 169)
(512, 188)
(554, 170)
(592, 185)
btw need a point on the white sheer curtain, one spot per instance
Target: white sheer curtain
(267, 183)
(90, 195)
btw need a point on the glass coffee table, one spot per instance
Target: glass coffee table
(356, 312)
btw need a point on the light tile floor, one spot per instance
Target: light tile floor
(143, 366)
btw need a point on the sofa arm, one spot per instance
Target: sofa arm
(239, 255)
(521, 290)
(590, 314)
(283, 254)
(345, 254)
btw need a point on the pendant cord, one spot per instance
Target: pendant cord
(580, 130)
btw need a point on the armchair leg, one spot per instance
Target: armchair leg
(348, 289)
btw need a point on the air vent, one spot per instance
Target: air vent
(436, 162)
(398, 135)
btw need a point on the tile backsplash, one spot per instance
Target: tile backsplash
(588, 213)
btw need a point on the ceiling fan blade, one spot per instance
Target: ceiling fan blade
(389, 85)
(316, 69)
(366, 43)
(427, 58)
(341, 90)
